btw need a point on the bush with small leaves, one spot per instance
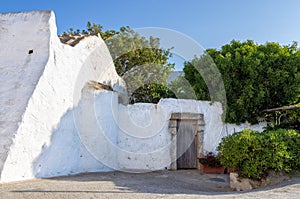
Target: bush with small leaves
(253, 154)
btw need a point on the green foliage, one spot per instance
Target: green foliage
(195, 78)
(256, 77)
(142, 64)
(252, 154)
(94, 29)
(151, 93)
(139, 61)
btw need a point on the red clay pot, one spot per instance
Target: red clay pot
(211, 170)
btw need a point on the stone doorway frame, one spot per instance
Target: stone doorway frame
(197, 119)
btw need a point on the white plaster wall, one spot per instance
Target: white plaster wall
(82, 142)
(51, 80)
(96, 121)
(20, 71)
(212, 117)
(144, 138)
(86, 139)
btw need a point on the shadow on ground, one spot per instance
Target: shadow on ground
(158, 182)
(187, 182)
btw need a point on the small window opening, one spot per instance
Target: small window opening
(30, 51)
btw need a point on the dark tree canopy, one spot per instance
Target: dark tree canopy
(256, 77)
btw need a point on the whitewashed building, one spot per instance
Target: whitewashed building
(53, 123)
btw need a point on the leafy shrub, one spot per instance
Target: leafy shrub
(252, 154)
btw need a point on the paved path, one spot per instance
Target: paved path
(160, 184)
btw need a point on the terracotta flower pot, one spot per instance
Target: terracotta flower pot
(228, 170)
(211, 170)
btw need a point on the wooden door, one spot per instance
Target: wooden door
(186, 145)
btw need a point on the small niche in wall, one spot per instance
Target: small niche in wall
(30, 51)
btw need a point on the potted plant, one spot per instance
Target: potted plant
(210, 164)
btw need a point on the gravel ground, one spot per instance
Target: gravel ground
(159, 184)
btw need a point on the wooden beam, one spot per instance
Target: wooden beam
(292, 107)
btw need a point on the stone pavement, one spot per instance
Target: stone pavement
(159, 184)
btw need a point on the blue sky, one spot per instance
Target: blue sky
(212, 23)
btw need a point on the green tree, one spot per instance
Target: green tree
(256, 77)
(141, 62)
(152, 93)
